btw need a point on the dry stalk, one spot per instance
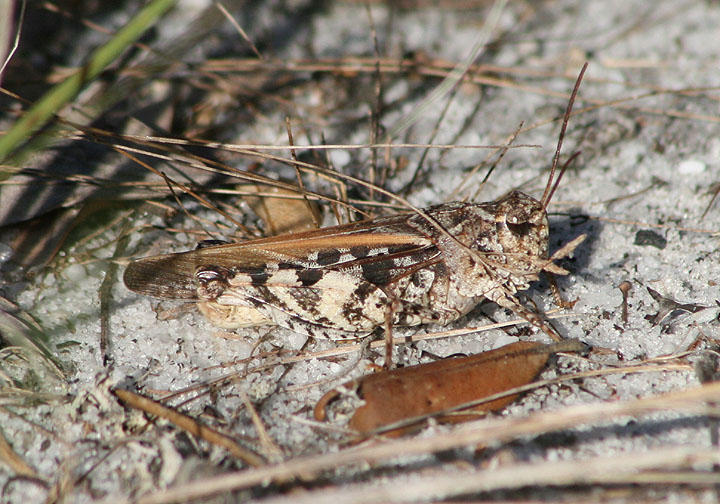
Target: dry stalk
(487, 432)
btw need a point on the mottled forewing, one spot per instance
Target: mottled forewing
(373, 247)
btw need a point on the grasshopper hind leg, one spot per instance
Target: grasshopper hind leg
(507, 300)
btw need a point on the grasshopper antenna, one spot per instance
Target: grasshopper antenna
(552, 185)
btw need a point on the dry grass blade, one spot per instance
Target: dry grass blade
(18, 328)
(690, 401)
(189, 424)
(452, 79)
(630, 468)
(271, 450)
(9, 36)
(105, 295)
(627, 469)
(13, 460)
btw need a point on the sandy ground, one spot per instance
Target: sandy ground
(646, 124)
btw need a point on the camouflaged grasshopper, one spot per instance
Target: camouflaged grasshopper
(340, 281)
(429, 266)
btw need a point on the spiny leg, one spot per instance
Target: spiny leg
(510, 302)
(390, 309)
(559, 299)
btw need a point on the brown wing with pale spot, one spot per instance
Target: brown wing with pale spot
(173, 275)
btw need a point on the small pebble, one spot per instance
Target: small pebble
(296, 341)
(340, 157)
(646, 237)
(691, 167)
(75, 272)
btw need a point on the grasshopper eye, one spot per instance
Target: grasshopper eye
(520, 230)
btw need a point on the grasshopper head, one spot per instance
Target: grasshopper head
(522, 227)
(506, 244)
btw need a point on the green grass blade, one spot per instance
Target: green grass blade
(44, 109)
